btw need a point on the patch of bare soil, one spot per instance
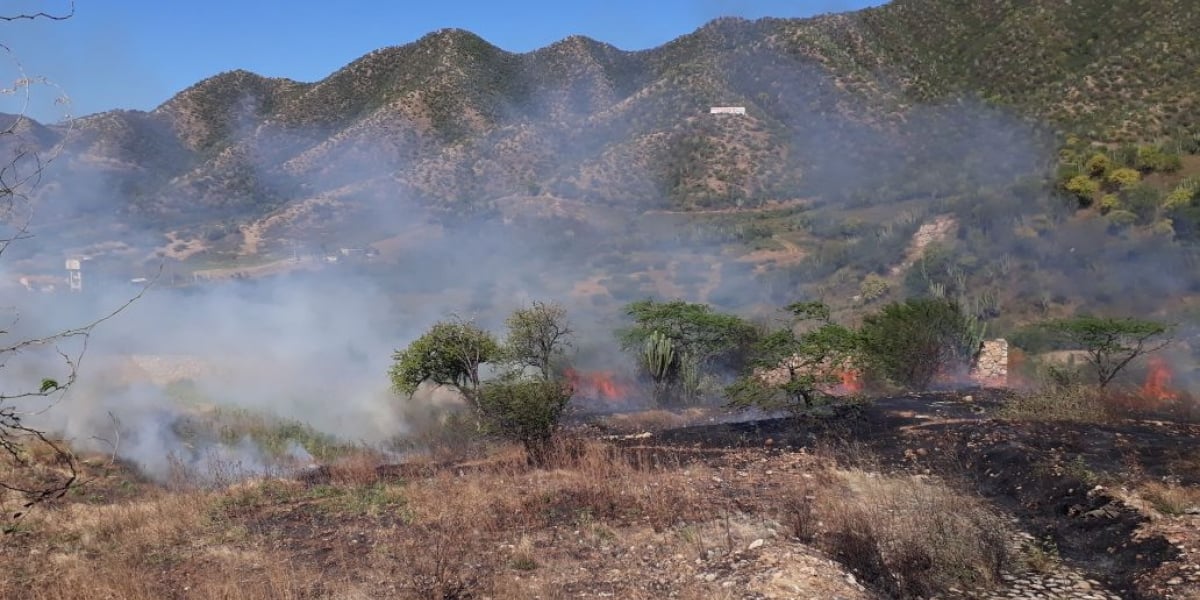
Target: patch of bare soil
(275, 267)
(791, 254)
(181, 249)
(934, 231)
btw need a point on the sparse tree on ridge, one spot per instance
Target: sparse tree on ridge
(1111, 343)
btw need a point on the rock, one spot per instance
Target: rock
(1175, 581)
(756, 544)
(710, 577)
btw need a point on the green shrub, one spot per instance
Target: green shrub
(1155, 159)
(911, 342)
(1122, 218)
(1098, 165)
(525, 410)
(874, 287)
(1109, 203)
(1083, 187)
(1124, 178)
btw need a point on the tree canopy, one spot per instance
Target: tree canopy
(677, 341)
(911, 342)
(450, 353)
(787, 369)
(538, 335)
(1111, 343)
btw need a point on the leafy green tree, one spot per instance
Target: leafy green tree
(676, 341)
(1111, 343)
(522, 408)
(525, 410)
(450, 354)
(911, 342)
(788, 369)
(538, 336)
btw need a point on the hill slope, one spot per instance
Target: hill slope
(452, 120)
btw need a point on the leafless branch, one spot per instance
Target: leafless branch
(42, 15)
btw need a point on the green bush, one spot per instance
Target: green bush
(1083, 187)
(1109, 203)
(1155, 159)
(1098, 165)
(1124, 178)
(525, 410)
(874, 287)
(911, 342)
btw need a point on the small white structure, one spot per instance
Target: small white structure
(74, 275)
(727, 110)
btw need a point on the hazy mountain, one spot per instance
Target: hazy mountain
(454, 122)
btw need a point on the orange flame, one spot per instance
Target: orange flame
(1158, 381)
(600, 385)
(851, 383)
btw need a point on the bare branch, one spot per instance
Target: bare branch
(42, 15)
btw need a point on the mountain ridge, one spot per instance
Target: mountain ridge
(453, 122)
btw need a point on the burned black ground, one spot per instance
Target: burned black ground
(1051, 476)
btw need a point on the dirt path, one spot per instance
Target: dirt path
(767, 207)
(251, 238)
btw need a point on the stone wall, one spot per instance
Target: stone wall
(991, 368)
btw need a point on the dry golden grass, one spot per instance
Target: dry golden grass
(656, 419)
(496, 527)
(1077, 403)
(1170, 498)
(910, 536)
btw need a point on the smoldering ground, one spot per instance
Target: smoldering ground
(316, 348)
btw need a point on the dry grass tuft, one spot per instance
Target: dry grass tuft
(908, 537)
(584, 479)
(1171, 498)
(493, 526)
(1074, 403)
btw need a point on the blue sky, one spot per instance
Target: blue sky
(137, 53)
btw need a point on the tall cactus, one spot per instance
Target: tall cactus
(689, 377)
(658, 359)
(974, 327)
